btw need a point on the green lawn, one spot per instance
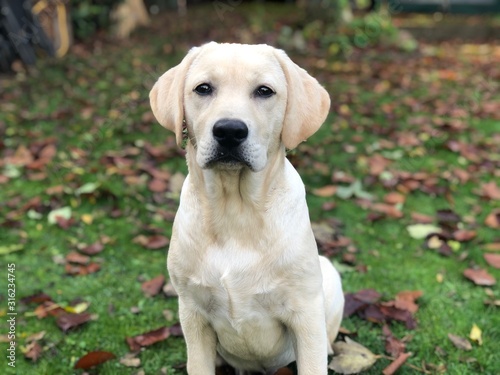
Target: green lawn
(434, 111)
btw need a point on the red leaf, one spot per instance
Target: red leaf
(67, 321)
(152, 287)
(92, 359)
(36, 298)
(93, 249)
(479, 276)
(396, 364)
(149, 338)
(492, 259)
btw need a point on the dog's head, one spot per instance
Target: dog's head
(239, 102)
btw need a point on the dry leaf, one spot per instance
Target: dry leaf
(396, 364)
(92, 359)
(491, 191)
(460, 342)
(93, 249)
(351, 357)
(152, 287)
(33, 351)
(67, 321)
(130, 360)
(479, 276)
(493, 219)
(325, 191)
(149, 338)
(492, 259)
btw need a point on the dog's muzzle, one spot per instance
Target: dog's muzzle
(230, 135)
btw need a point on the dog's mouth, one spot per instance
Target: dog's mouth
(228, 159)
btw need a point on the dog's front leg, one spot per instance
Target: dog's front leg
(309, 331)
(201, 340)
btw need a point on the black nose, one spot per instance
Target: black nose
(230, 132)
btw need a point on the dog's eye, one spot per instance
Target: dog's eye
(264, 92)
(203, 89)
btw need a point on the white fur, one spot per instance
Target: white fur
(243, 257)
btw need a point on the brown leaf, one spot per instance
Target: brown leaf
(149, 338)
(491, 191)
(479, 276)
(176, 330)
(152, 287)
(74, 257)
(92, 359)
(463, 235)
(396, 364)
(325, 191)
(48, 308)
(406, 300)
(368, 295)
(157, 186)
(393, 346)
(394, 198)
(93, 249)
(493, 219)
(492, 259)
(421, 218)
(81, 270)
(67, 321)
(154, 242)
(460, 342)
(33, 351)
(388, 209)
(378, 164)
(36, 298)
(284, 371)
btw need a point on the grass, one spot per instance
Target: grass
(95, 100)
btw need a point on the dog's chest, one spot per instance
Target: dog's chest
(233, 289)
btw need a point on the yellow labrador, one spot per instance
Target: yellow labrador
(243, 257)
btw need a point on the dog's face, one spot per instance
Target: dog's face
(239, 103)
(235, 103)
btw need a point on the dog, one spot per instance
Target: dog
(243, 258)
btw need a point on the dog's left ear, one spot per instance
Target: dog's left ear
(167, 96)
(307, 105)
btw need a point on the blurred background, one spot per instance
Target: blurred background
(402, 179)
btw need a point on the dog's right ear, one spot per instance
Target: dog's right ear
(167, 96)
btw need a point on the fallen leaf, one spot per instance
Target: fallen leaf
(157, 186)
(169, 290)
(394, 198)
(93, 249)
(63, 213)
(67, 321)
(493, 219)
(493, 260)
(149, 338)
(419, 231)
(351, 357)
(479, 276)
(463, 235)
(396, 364)
(130, 360)
(393, 346)
(476, 334)
(92, 359)
(74, 257)
(33, 351)
(448, 218)
(406, 300)
(422, 218)
(490, 190)
(152, 242)
(460, 342)
(152, 287)
(325, 191)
